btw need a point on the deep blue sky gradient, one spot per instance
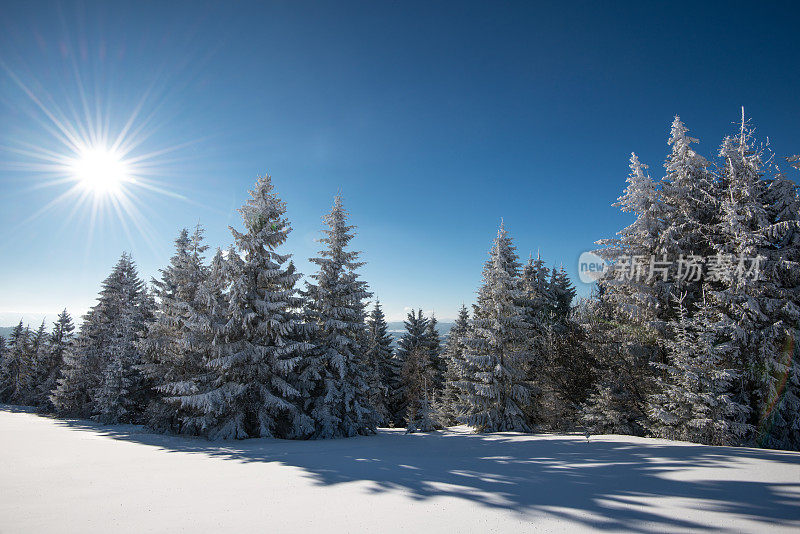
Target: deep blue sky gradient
(433, 119)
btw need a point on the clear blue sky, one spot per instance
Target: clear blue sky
(433, 119)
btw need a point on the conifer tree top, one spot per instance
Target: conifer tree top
(337, 236)
(263, 215)
(503, 254)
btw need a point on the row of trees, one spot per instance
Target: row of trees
(235, 349)
(230, 349)
(517, 364)
(31, 361)
(710, 359)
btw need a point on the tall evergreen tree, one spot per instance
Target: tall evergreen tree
(100, 375)
(81, 368)
(638, 298)
(380, 363)
(565, 373)
(451, 403)
(124, 307)
(629, 317)
(39, 367)
(16, 365)
(779, 381)
(170, 356)
(437, 363)
(672, 222)
(31, 341)
(260, 344)
(689, 204)
(338, 390)
(563, 292)
(498, 393)
(621, 349)
(206, 319)
(59, 343)
(418, 376)
(695, 399)
(539, 300)
(415, 336)
(760, 314)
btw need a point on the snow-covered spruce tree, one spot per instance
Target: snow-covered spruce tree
(205, 320)
(24, 360)
(418, 376)
(437, 363)
(59, 343)
(26, 384)
(564, 369)
(565, 375)
(336, 377)
(618, 402)
(623, 353)
(695, 399)
(760, 315)
(539, 304)
(81, 368)
(170, 359)
(738, 298)
(29, 375)
(563, 292)
(380, 363)
(124, 307)
(416, 325)
(498, 347)
(160, 346)
(638, 298)
(39, 367)
(689, 210)
(16, 365)
(672, 222)
(779, 382)
(539, 300)
(450, 405)
(628, 314)
(99, 375)
(33, 343)
(261, 343)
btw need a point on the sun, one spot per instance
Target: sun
(100, 170)
(105, 164)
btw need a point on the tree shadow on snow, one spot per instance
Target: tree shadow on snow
(604, 484)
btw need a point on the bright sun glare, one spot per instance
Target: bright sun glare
(100, 170)
(99, 163)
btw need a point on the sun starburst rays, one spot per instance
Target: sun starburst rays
(102, 174)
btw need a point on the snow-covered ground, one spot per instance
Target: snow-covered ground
(75, 476)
